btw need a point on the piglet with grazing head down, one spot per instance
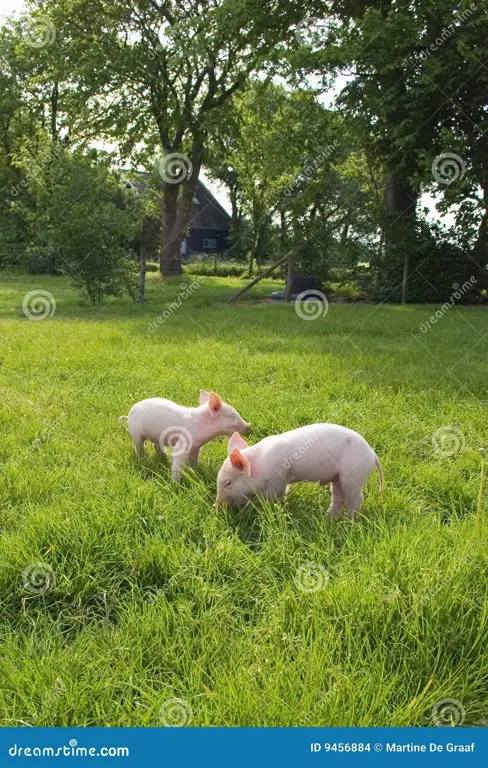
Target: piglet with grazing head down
(323, 453)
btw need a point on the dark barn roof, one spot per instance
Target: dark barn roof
(206, 211)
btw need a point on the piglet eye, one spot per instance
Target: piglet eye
(227, 483)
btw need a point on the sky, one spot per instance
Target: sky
(14, 7)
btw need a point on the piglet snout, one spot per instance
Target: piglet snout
(246, 429)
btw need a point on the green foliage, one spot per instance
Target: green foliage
(82, 224)
(221, 269)
(418, 91)
(217, 268)
(247, 155)
(158, 73)
(436, 265)
(441, 267)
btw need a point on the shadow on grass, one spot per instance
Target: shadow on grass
(247, 524)
(153, 467)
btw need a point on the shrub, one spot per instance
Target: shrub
(219, 269)
(436, 267)
(82, 224)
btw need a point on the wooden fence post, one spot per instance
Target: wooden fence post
(289, 276)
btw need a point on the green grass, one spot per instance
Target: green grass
(157, 596)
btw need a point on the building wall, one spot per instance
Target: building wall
(207, 240)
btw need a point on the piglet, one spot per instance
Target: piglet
(186, 430)
(323, 453)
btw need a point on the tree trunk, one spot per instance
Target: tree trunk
(142, 273)
(169, 260)
(176, 211)
(406, 262)
(234, 222)
(283, 231)
(480, 248)
(289, 277)
(251, 257)
(235, 218)
(400, 234)
(257, 246)
(54, 112)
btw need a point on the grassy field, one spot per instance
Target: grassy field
(146, 595)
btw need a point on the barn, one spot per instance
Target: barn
(209, 224)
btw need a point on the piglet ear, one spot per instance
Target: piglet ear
(214, 404)
(236, 441)
(240, 462)
(204, 395)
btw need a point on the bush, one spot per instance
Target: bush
(89, 237)
(220, 269)
(437, 268)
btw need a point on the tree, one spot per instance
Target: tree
(457, 165)
(156, 72)
(85, 221)
(273, 161)
(399, 98)
(36, 110)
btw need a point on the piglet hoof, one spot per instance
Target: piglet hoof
(334, 514)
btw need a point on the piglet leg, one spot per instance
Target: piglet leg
(353, 494)
(180, 457)
(139, 448)
(177, 465)
(193, 456)
(337, 499)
